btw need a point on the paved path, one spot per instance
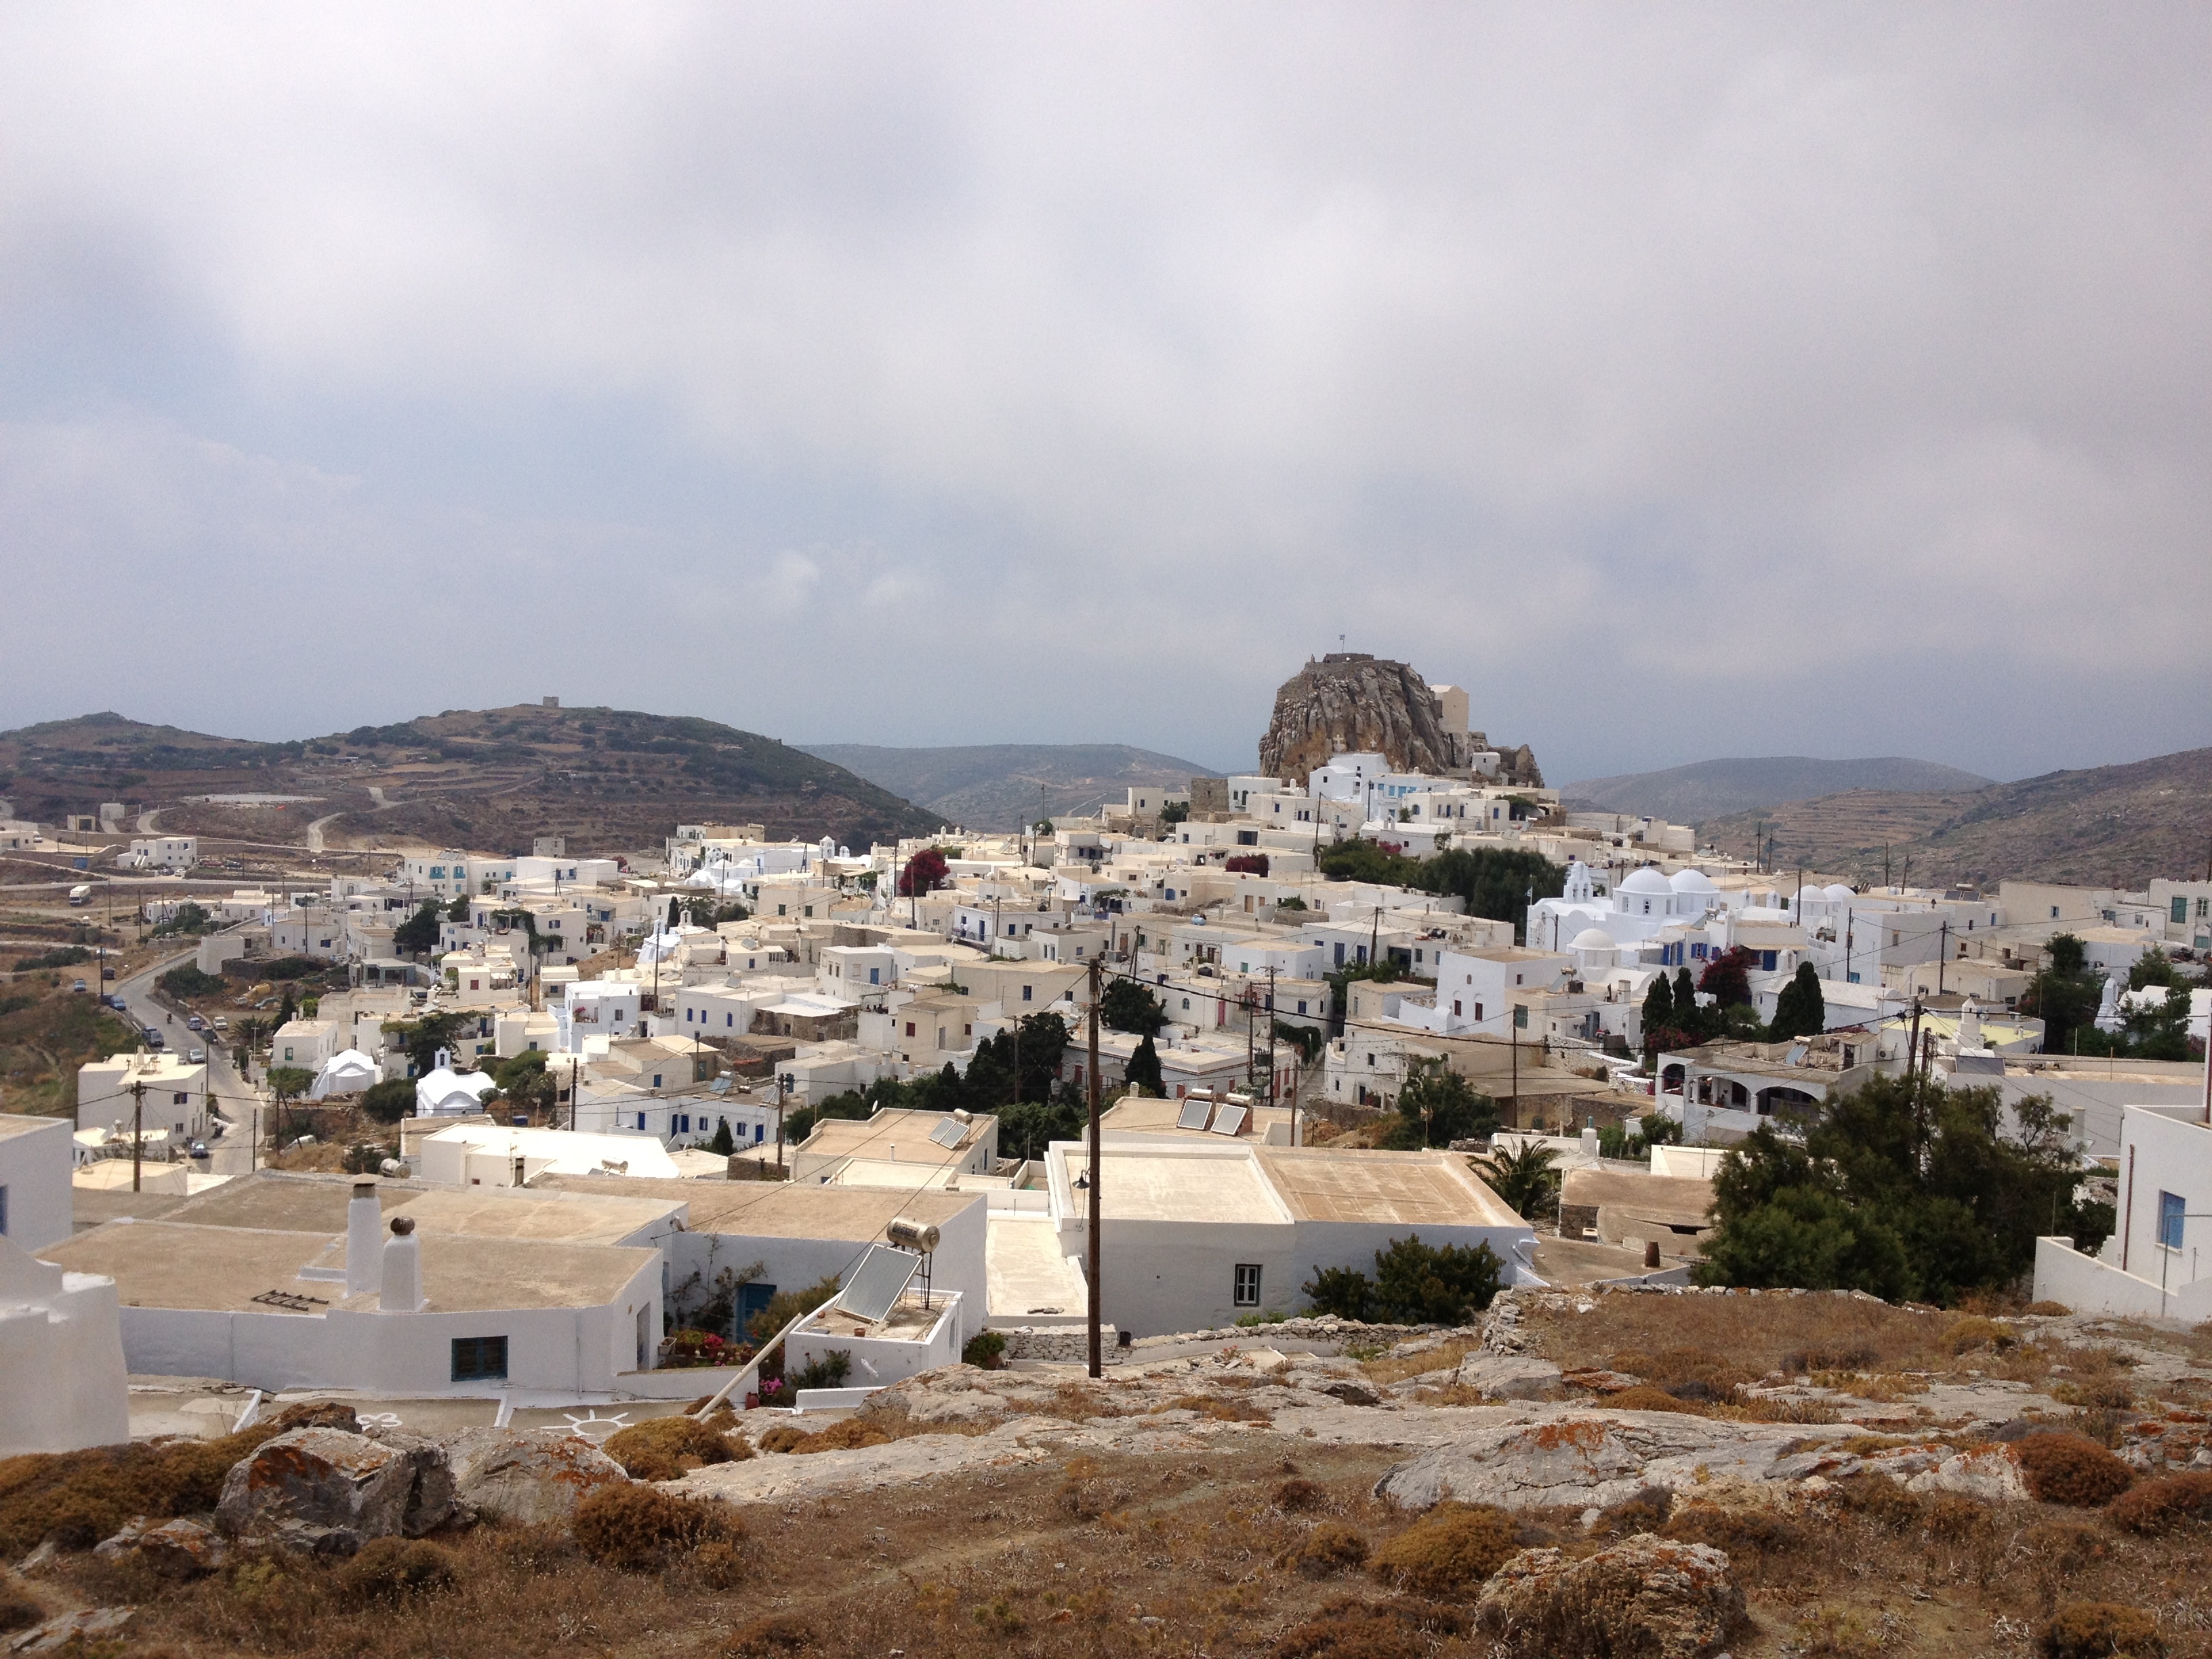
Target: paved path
(315, 830)
(231, 1153)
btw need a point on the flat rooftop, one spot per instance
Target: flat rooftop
(776, 1209)
(843, 1137)
(272, 1200)
(524, 1213)
(1674, 1198)
(165, 1264)
(11, 1126)
(1319, 1184)
(1027, 1273)
(1134, 1115)
(1167, 1183)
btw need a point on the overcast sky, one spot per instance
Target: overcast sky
(1686, 381)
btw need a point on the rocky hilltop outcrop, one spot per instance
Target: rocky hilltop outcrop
(1351, 701)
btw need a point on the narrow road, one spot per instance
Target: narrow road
(315, 830)
(146, 821)
(231, 1153)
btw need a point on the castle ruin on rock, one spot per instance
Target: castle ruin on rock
(1352, 701)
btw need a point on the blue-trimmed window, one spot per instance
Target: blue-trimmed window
(2172, 1211)
(479, 1360)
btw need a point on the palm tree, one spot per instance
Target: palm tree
(1524, 1179)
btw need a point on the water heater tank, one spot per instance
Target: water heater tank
(913, 1235)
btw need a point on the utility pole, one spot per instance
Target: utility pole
(781, 1077)
(1374, 935)
(1942, 954)
(1090, 1273)
(1271, 1042)
(137, 1133)
(1912, 1065)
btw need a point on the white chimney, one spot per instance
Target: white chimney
(1589, 1140)
(364, 1239)
(1970, 1025)
(402, 1290)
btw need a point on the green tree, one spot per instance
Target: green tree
(1497, 883)
(1900, 1188)
(1800, 1010)
(1144, 1072)
(423, 1037)
(724, 1143)
(458, 909)
(288, 1083)
(286, 1009)
(1128, 1005)
(1437, 1107)
(1027, 1127)
(1414, 1284)
(419, 932)
(389, 1100)
(1524, 1179)
(1659, 1005)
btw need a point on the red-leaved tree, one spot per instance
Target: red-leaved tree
(1728, 979)
(1248, 864)
(925, 872)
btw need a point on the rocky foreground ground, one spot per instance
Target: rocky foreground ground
(1675, 1474)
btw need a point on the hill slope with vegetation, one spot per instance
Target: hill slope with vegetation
(1002, 786)
(607, 780)
(2121, 824)
(1708, 789)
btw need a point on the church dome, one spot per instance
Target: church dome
(1692, 881)
(1593, 938)
(1646, 880)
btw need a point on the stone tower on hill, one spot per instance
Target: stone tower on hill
(1349, 702)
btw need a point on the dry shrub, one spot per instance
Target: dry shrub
(1645, 1398)
(849, 1436)
(1331, 1546)
(2096, 1394)
(1687, 1373)
(1296, 1495)
(2061, 1546)
(1740, 1533)
(2048, 1309)
(1445, 1357)
(2099, 1629)
(2071, 1469)
(1642, 1511)
(639, 1529)
(77, 1499)
(393, 1569)
(1348, 1628)
(1878, 1499)
(1221, 1411)
(718, 1566)
(1830, 1633)
(1762, 1410)
(2158, 1507)
(541, 1547)
(782, 1437)
(1076, 1402)
(1450, 1550)
(766, 1637)
(1954, 1518)
(666, 1448)
(19, 1610)
(1967, 1335)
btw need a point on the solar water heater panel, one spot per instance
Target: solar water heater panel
(1193, 1114)
(1229, 1120)
(877, 1284)
(951, 1133)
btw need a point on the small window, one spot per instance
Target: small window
(1247, 1285)
(479, 1360)
(3, 1211)
(1025, 997)
(2170, 1215)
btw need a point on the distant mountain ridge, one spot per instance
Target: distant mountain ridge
(606, 780)
(997, 785)
(2102, 825)
(1708, 789)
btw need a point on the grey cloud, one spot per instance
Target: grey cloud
(1814, 366)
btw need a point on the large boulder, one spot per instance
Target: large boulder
(1583, 1460)
(1648, 1597)
(526, 1475)
(175, 1549)
(1508, 1377)
(329, 1492)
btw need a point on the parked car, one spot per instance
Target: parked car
(196, 1023)
(152, 1038)
(107, 973)
(196, 1056)
(78, 985)
(198, 1149)
(221, 1023)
